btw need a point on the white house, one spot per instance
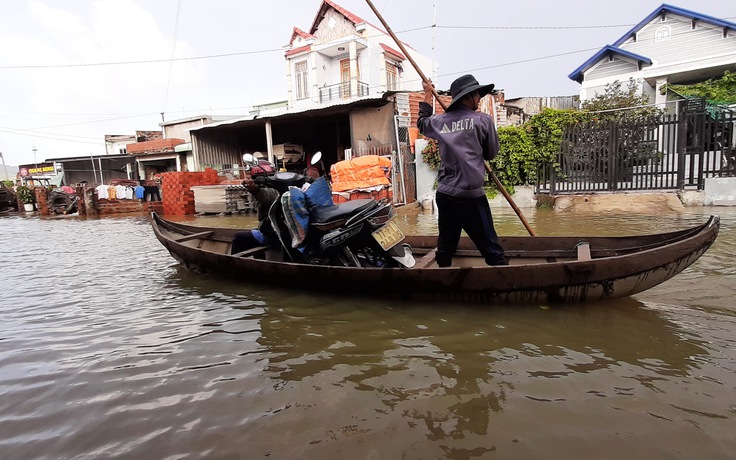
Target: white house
(116, 144)
(671, 45)
(342, 58)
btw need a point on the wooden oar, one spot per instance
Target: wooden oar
(444, 106)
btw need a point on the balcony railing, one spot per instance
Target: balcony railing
(341, 91)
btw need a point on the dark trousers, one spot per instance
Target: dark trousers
(472, 215)
(152, 193)
(242, 241)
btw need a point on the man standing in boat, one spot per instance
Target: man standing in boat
(467, 139)
(264, 235)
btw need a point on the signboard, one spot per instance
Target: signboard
(41, 169)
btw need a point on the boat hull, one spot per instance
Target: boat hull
(542, 269)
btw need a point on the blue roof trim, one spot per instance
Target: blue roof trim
(665, 8)
(577, 74)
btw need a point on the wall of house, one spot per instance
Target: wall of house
(589, 92)
(114, 144)
(376, 123)
(214, 151)
(375, 67)
(674, 41)
(333, 26)
(315, 62)
(617, 68)
(181, 130)
(409, 79)
(371, 61)
(676, 49)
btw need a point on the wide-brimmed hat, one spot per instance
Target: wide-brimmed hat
(465, 85)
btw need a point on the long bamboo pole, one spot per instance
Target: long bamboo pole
(492, 175)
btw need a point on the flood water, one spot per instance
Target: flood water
(109, 349)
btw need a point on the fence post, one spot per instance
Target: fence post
(613, 159)
(680, 143)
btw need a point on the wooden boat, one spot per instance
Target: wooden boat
(541, 270)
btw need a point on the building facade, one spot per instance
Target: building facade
(343, 58)
(670, 46)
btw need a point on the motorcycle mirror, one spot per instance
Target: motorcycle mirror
(249, 159)
(316, 157)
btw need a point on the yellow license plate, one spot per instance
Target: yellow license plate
(388, 236)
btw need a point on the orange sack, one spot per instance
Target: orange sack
(359, 173)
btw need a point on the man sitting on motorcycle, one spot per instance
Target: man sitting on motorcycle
(264, 235)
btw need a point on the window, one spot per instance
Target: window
(392, 77)
(302, 80)
(123, 151)
(662, 33)
(345, 78)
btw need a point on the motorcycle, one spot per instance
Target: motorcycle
(357, 233)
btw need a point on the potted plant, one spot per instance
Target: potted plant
(27, 196)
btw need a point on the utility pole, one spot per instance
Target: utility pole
(4, 166)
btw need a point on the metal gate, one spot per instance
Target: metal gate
(673, 153)
(403, 161)
(403, 172)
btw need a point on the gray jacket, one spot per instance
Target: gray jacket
(265, 197)
(466, 139)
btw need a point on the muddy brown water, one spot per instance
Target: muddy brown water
(109, 349)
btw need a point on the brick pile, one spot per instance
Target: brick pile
(177, 193)
(109, 207)
(42, 200)
(385, 195)
(154, 146)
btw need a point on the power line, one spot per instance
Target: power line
(171, 60)
(150, 61)
(102, 120)
(43, 136)
(537, 27)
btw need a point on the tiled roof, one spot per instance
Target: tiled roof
(355, 19)
(299, 32)
(390, 50)
(330, 4)
(350, 16)
(301, 49)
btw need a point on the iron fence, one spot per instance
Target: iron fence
(670, 153)
(342, 91)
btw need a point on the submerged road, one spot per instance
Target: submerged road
(109, 349)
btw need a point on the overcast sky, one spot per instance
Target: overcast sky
(72, 71)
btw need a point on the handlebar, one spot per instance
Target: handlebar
(281, 181)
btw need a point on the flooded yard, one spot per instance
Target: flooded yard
(110, 349)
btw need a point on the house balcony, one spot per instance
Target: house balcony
(341, 91)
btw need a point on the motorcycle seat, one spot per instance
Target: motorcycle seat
(328, 215)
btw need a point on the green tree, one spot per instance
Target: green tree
(717, 91)
(621, 105)
(525, 149)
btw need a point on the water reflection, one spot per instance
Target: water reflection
(447, 370)
(113, 352)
